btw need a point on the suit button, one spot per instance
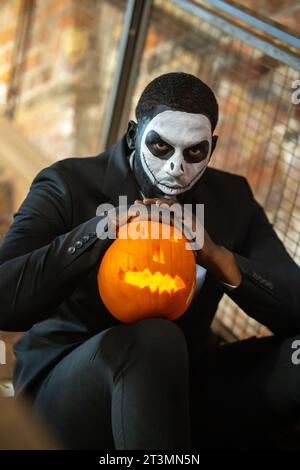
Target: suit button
(92, 234)
(78, 244)
(85, 238)
(71, 250)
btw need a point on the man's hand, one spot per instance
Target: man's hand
(215, 258)
(118, 216)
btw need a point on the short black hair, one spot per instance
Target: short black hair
(181, 92)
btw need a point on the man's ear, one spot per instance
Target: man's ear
(131, 134)
(214, 141)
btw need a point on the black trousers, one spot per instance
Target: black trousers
(138, 387)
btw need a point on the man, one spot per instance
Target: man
(153, 384)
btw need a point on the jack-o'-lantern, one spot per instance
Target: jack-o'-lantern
(147, 276)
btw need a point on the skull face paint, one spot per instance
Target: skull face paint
(175, 150)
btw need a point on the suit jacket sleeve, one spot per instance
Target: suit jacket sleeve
(270, 287)
(42, 257)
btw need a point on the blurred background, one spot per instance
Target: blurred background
(71, 72)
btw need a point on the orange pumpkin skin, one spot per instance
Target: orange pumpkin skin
(146, 277)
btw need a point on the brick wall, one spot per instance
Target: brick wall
(9, 17)
(67, 71)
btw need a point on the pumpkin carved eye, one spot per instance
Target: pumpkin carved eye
(158, 255)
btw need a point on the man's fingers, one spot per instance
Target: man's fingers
(147, 201)
(158, 201)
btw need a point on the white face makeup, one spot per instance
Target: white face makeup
(175, 150)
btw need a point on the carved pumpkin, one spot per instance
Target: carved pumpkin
(147, 277)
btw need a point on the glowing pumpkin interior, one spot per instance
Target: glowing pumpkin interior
(147, 277)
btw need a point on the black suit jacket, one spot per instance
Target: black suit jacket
(52, 291)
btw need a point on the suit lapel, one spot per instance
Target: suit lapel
(119, 179)
(216, 213)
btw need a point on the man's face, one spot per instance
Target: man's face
(175, 149)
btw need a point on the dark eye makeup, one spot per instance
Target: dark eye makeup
(158, 146)
(196, 153)
(163, 150)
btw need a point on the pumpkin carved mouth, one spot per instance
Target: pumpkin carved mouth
(156, 282)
